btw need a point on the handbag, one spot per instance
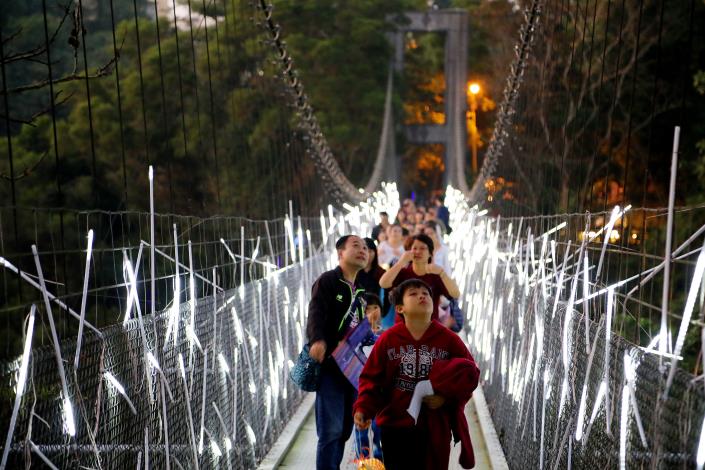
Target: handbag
(306, 373)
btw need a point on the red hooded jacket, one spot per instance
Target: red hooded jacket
(397, 363)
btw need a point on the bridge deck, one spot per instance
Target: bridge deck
(302, 453)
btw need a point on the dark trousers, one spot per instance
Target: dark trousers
(334, 420)
(404, 448)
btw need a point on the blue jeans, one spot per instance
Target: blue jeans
(334, 420)
(362, 442)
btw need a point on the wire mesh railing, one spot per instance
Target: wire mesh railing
(550, 302)
(211, 392)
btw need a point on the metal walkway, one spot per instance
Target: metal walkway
(297, 447)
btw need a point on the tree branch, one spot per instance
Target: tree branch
(26, 172)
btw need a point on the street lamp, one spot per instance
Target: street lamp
(473, 91)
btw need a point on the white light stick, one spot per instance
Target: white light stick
(70, 426)
(687, 314)
(546, 397)
(242, 262)
(164, 255)
(624, 416)
(203, 401)
(560, 281)
(120, 389)
(586, 307)
(700, 456)
(131, 285)
(250, 434)
(176, 304)
(21, 381)
(153, 361)
(192, 432)
(42, 456)
(324, 236)
(151, 239)
(5, 263)
(558, 227)
(605, 240)
(630, 376)
(146, 448)
(192, 297)
(290, 236)
(669, 237)
(608, 344)
(86, 273)
(166, 423)
(174, 314)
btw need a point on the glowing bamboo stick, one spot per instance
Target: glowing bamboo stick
(203, 401)
(21, 381)
(176, 304)
(700, 456)
(624, 416)
(70, 426)
(630, 376)
(86, 273)
(687, 314)
(153, 361)
(669, 237)
(608, 344)
(131, 285)
(586, 307)
(151, 240)
(188, 411)
(42, 456)
(5, 263)
(166, 423)
(120, 389)
(146, 448)
(242, 263)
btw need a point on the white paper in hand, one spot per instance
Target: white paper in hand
(422, 389)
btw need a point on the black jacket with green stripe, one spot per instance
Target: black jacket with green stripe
(329, 311)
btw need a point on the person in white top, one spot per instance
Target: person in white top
(440, 250)
(392, 248)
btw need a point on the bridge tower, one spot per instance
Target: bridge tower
(453, 133)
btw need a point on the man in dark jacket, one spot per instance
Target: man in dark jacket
(336, 305)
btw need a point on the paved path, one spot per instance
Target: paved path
(302, 454)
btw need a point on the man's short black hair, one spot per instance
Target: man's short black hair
(384, 213)
(397, 293)
(372, 299)
(340, 243)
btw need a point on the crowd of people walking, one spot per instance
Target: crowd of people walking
(382, 331)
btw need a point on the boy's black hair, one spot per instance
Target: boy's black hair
(340, 242)
(397, 294)
(372, 299)
(384, 213)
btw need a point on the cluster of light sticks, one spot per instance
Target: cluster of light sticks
(275, 346)
(483, 252)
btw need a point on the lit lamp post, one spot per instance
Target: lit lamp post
(473, 90)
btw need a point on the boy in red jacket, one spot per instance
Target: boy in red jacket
(405, 385)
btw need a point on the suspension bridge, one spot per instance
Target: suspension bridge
(136, 336)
